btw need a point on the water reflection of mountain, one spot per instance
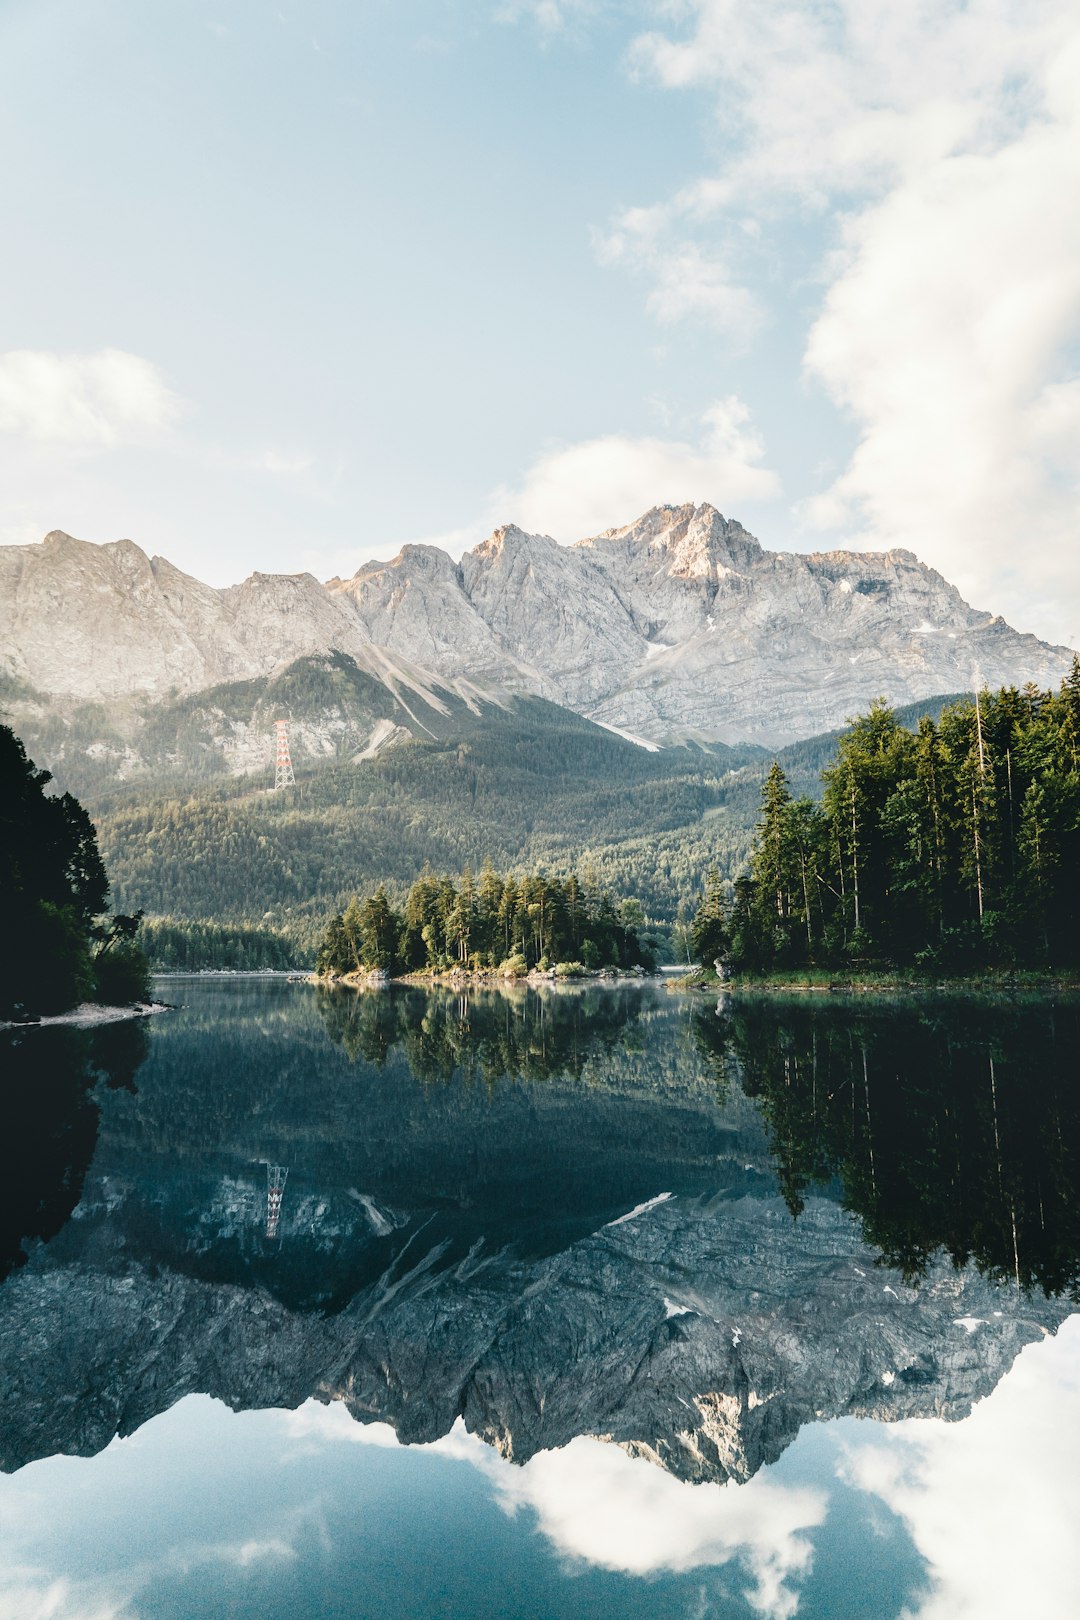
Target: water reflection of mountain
(452, 1240)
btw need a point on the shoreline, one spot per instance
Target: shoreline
(483, 978)
(87, 1015)
(884, 985)
(229, 973)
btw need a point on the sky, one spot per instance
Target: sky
(284, 287)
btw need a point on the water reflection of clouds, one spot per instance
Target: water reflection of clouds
(29, 1593)
(596, 1504)
(992, 1504)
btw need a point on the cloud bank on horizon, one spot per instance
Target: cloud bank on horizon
(823, 272)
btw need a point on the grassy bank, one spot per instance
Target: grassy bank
(866, 981)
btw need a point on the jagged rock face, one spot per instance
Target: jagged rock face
(99, 622)
(104, 622)
(679, 627)
(701, 1336)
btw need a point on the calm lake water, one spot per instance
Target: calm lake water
(602, 1302)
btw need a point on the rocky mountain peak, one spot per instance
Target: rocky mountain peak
(678, 626)
(657, 521)
(691, 541)
(431, 559)
(509, 542)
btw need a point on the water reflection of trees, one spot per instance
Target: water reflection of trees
(483, 1035)
(952, 1128)
(51, 1122)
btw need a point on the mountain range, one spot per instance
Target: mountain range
(679, 628)
(610, 706)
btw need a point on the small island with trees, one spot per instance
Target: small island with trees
(488, 926)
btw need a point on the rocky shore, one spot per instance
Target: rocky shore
(483, 978)
(89, 1013)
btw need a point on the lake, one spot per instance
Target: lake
(580, 1302)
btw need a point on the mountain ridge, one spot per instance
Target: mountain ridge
(679, 627)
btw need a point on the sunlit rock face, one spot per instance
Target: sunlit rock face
(678, 627)
(102, 623)
(681, 626)
(701, 1334)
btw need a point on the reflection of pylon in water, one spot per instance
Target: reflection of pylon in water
(283, 771)
(276, 1176)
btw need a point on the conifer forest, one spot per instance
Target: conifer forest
(949, 848)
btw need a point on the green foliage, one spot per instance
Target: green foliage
(513, 924)
(525, 782)
(953, 848)
(179, 946)
(53, 891)
(488, 1035)
(122, 977)
(528, 783)
(707, 936)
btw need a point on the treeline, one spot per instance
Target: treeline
(178, 946)
(58, 945)
(953, 847)
(513, 924)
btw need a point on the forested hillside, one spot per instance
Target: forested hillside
(190, 837)
(525, 785)
(142, 749)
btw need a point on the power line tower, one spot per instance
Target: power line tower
(283, 771)
(276, 1177)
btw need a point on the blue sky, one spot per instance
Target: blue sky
(287, 287)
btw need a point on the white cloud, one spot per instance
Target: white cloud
(106, 398)
(319, 1421)
(596, 1504)
(689, 281)
(274, 461)
(945, 336)
(821, 98)
(573, 491)
(254, 1551)
(992, 1503)
(581, 489)
(550, 17)
(33, 1595)
(939, 144)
